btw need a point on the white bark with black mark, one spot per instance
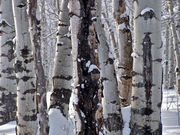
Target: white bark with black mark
(25, 73)
(7, 59)
(112, 116)
(147, 70)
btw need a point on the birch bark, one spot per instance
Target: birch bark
(35, 33)
(24, 67)
(178, 20)
(121, 16)
(7, 58)
(147, 71)
(112, 116)
(62, 77)
(166, 54)
(171, 63)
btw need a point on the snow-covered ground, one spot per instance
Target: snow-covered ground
(170, 113)
(170, 116)
(8, 129)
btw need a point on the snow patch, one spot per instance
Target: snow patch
(59, 125)
(134, 55)
(8, 128)
(92, 67)
(74, 97)
(68, 35)
(126, 118)
(48, 96)
(93, 18)
(148, 9)
(175, 9)
(121, 26)
(82, 86)
(88, 63)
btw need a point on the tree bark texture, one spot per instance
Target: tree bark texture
(112, 117)
(62, 77)
(121, 16)
(166, 63)
(178, 20)
(25, 73)
(7, 58)
(85, 71)
(171, 71)
(147, 70)
(35, 33)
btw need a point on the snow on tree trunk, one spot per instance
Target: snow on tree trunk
(25, 73)
(147, 71)
(112, 116)
(35, 33)
(121, 16)
(85, 71)
(166, 62)
(7, 58)
(176, 45)
(62, 77)
(171, 62)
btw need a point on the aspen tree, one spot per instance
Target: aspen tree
(166, 53)
(35, 33)
(85, 70)
(112, 116)
(147, 70)
(122, 18)
(171, 71)
(25, 73)
(62, 77)
(7, 58)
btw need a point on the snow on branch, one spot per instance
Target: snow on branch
(148, 9)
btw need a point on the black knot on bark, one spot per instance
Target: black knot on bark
(24, 52)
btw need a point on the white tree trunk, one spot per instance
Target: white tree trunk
(74, 8)
(113, 122)
(171, 61)
(176, 45)
(121, 16)
(62, 77)
(35, 33)
(166, 62)
(147, 71)
(44, 41)
(7, 58)
(178, 20)
(25, 73)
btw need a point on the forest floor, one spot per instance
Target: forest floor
(170, 116)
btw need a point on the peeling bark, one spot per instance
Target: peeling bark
(122, 19)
